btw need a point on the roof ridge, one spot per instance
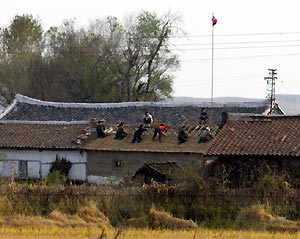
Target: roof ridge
(8, 108)
(44, 122)
(29, 100)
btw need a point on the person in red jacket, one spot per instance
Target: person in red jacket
(160, 130)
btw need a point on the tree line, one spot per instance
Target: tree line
(107, 61)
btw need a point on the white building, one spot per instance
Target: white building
(28, 149)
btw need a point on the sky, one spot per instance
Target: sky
(250, 37)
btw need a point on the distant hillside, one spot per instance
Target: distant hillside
(290, 104)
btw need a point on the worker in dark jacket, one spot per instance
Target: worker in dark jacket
(120, 133)
(137, 136)
(182, 136)
(101, 129)
(203, 116)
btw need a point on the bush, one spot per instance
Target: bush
(56, 178)
(269, 185)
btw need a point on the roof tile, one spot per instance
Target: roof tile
(260, 136)
(40, 136)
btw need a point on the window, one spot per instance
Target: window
(23, 169)
(118, 164)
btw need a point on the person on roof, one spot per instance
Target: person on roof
(137, 136)
(182, 135)
(120, 133)
(147, 119)
(205, 135)
(203, 116)
(159, 130)
(101, 129)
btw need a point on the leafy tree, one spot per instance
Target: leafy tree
(143, 60)
(21, 44)
(109, 61)
(156, 33)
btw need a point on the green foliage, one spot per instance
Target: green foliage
(24, 34)
(55, 178)
(191, 180)
(21, 46)
(269, 184)
(109, 61)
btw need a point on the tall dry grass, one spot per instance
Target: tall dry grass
(86, 217)
(94, 233)
(258, 217)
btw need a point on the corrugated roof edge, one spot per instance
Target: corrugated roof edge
(44, 122)
(28, 100)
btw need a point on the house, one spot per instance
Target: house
(25, 108)
(28, 149)
(98, 160)
(161, 172)
(249, 146)
(109, 158)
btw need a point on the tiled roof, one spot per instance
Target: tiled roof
(164, 168)
(79, 135)
(258, 136)
(25, 108)
(158, 168)
(168, 145)
(41, 136)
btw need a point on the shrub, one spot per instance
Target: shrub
(55, 178)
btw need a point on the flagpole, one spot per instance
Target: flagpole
(212, 62)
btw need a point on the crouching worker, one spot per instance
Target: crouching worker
(160, 130)
(205, 135)
(120, 133)
(182, 136)
(137, 136)
(101, 129)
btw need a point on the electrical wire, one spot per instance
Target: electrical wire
(238, 47)
(238, 34)
(234, 43)
(239, 57)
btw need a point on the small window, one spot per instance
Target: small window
(23, 169)
(118, 164)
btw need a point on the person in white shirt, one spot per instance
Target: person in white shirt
(147, 119)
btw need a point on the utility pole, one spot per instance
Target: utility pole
(271, 88)
(214, 22)
(212, 61)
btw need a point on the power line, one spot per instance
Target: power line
(240, 57)
(232, 43)
(238, 47)
(239, 34)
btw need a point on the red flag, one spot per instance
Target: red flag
(214, 20)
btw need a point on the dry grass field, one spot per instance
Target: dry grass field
(89, 222)
(95, 233)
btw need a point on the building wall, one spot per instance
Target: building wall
(39, 162)
(119, 164)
